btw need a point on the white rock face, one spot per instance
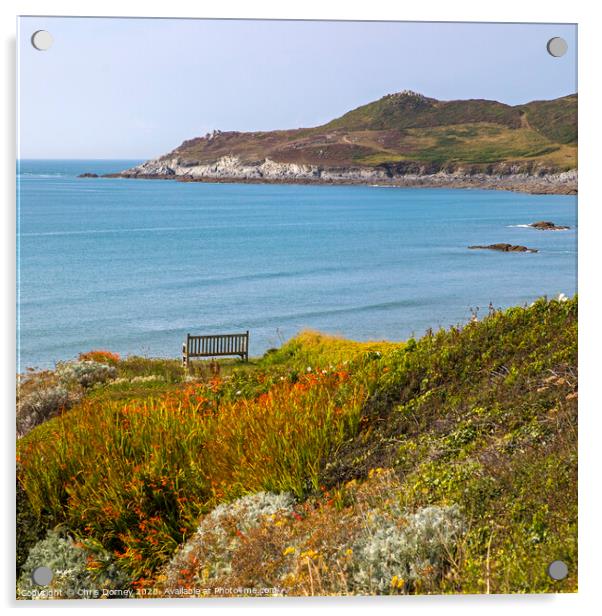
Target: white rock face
(231, 167)
(505, 177)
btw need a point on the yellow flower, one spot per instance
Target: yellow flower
(289, 550)
(348, 552)
(397, 582)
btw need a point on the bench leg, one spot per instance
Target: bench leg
(184, 357)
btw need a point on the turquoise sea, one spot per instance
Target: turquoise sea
(133, 265)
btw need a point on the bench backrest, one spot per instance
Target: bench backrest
(219, 344)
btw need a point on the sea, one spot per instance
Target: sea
(134, 265)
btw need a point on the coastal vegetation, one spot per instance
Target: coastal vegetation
(409, 132)
(445, 464)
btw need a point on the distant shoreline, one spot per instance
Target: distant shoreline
(558, 184)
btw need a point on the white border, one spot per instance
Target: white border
(582, 12)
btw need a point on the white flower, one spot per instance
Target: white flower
(562, 297)
(309, 368)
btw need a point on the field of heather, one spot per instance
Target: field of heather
(445, 464)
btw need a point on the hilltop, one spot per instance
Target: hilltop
(403, 138)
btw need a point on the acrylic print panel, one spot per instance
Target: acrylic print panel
(297, 308)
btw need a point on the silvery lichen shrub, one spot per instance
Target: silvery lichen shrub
(208, 554)
(151, 378)
(39, 406)
(397, 551)
(85, 373)
(78, 573)
(358, 540)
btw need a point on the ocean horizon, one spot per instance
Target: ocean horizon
(134, 265)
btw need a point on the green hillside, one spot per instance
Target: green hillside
(446, 464)
(556, 120)
(409, 129)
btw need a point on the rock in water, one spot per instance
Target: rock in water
(504, 248)
(88, 175)
(546, 225)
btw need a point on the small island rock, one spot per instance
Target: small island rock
(504, 248)
(88, 175)
(546, 225)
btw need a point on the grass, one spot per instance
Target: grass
(476, 144)
(134, 474)
(557, 120)
(480, 417)
(311, 348)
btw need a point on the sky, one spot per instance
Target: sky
(136, 88)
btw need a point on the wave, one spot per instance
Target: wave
(183, 284)
(31, 174)
(530, 227)
(300, 319)
(382, 306)
(168, 326)
(154, 229)
(102, 231)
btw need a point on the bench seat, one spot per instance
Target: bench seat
(218, 345)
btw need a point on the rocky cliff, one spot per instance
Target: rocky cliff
(232, 169)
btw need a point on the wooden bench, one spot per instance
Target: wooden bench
(214, 346)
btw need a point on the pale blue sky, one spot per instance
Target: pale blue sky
(136, 88)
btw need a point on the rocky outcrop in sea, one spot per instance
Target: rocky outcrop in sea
(504, 248)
